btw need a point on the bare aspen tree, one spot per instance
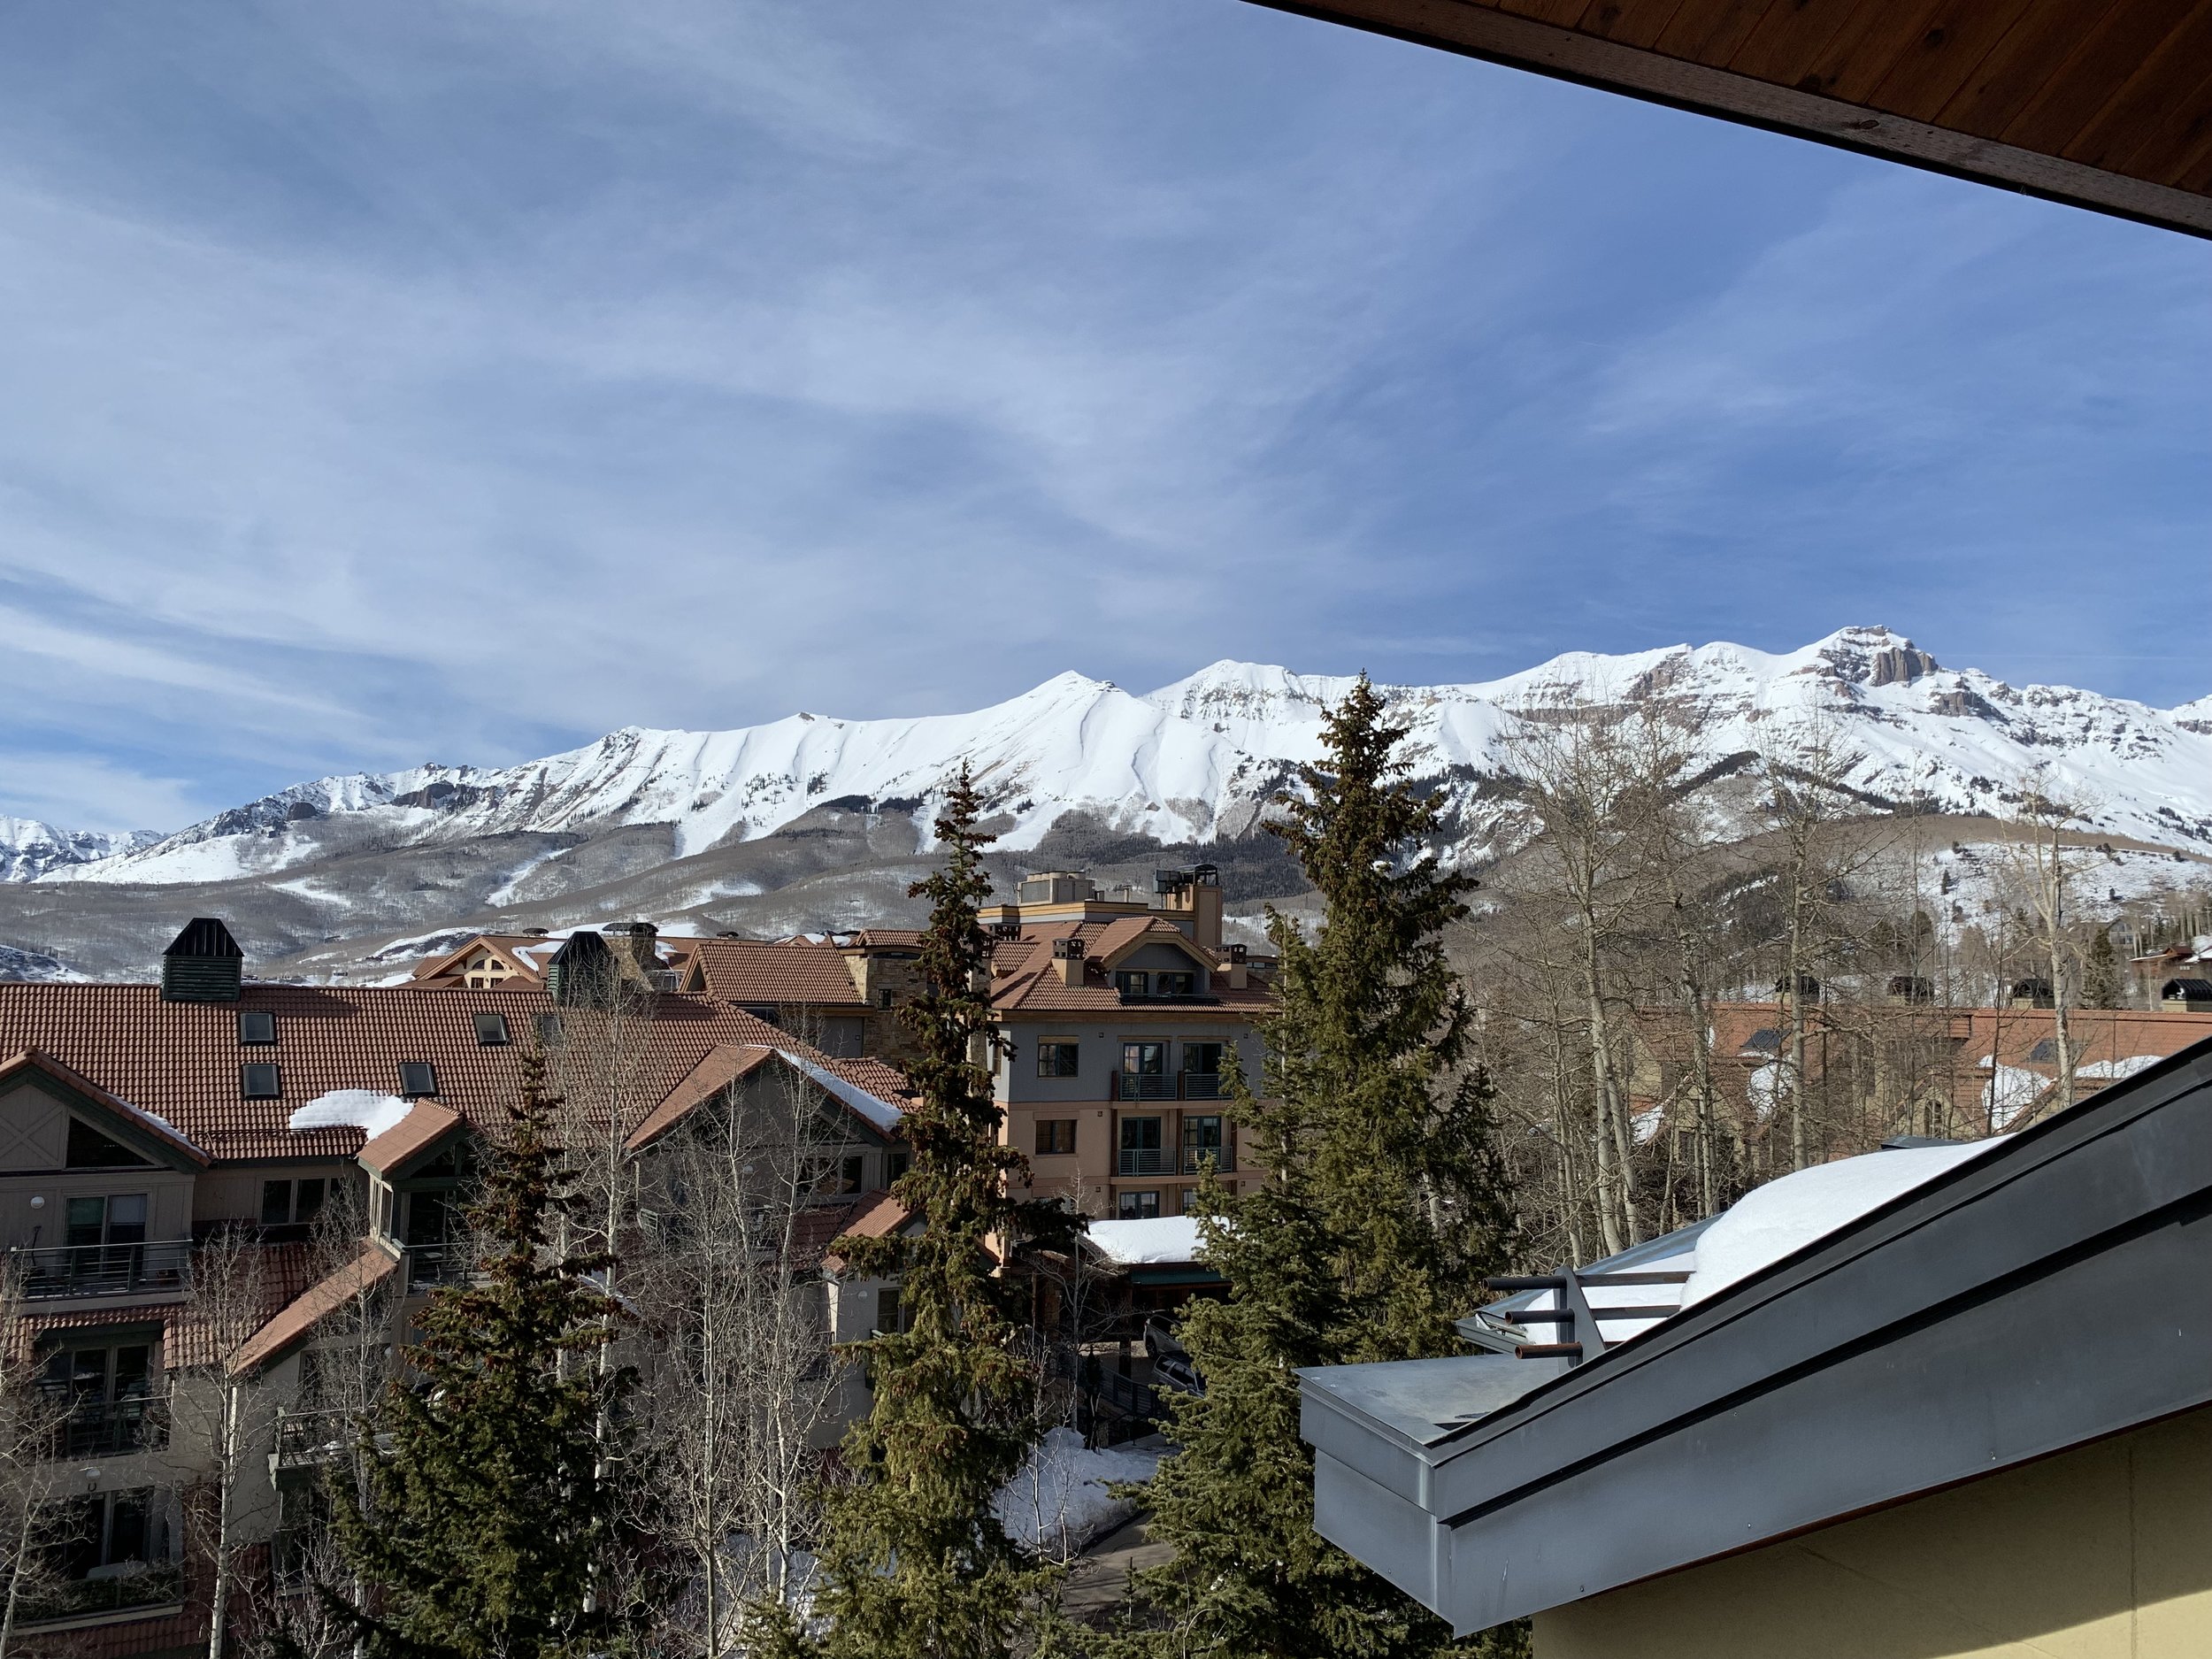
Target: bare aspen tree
(2045, 869)
(31, 1418)
(740, 1379)
(1578, 773)
(217, 1415)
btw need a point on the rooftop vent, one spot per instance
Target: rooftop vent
(1056, 887)
(2032, 993)
(2185, 996)
(1910, 987)
(203, 963)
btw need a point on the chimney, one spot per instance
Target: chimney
(1193, 898)
(1067, 960)
(582, 973)
(1238, 974)
(203, 963)
(644, 951)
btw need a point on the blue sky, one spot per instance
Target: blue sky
(457, 381)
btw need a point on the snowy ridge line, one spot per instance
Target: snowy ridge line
(1198, 760)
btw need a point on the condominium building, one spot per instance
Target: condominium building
(1122, 1012)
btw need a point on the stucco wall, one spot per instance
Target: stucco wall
(2103, 1553)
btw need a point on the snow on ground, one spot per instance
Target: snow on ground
(362, 1109)
(1060, 1502)
(1155, 1239)
(1784, 1215)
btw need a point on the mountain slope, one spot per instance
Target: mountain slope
(1196, 760)
(29, 848)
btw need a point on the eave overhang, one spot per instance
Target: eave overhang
(2053, 1291)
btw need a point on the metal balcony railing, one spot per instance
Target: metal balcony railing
(431, 1265)
(52, 1272)
(1147, 1161)
(1223, 1158)
(153, 1584)
(304, 1439)
(1167, 1086)
(111, 1428)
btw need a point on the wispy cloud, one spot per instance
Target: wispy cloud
(460, 382)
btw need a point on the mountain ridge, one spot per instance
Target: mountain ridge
(1197, 759)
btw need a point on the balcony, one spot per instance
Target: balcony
(1146, 1161)
(64, 1272)
(117, 1589)
(111, 1428)
(1167, 1086)
(430, 1266)
(304, 1439)
(1223, 1158)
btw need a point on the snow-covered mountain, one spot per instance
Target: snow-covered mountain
(1196, 761)
(29, 848)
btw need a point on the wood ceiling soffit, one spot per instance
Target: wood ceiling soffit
(2100, 103)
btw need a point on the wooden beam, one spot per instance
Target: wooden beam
(1480, 30)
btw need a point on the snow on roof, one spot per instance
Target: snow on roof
(880, 1112)
(362, 1109)
(1155, 1239)
(1773, 1221)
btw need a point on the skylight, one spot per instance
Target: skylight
(416, 1078)
(260, 1081)
(256, 1026)
(491, 1031)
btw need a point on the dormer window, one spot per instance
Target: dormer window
(491, 1031)
(256, 1026)
(260, 1081)
(1174, 984)
(1131, 983)
(416, 1078)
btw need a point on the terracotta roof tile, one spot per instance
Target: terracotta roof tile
(1024, 979)
(723, 1066)
(180, 1060)
(300, 1314)
(37, 1060)
(426, 1122)
(878, 1216)
(776, 973)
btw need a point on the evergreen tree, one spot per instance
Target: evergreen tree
(1384, 1206)
(914, 1564)
(491, 1520)
(2101, 972)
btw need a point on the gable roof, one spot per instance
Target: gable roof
(723, 1066)
(1024, 979)
(137, 1123)
(878, 1216)
(425, 1124)
(180, 1061)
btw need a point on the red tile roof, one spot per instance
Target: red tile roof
(775, 973)
(724, 1064)
(425, 1123)
(37, 1060)
(878, 1216)
(1024, 978)
(303, 1312)
(180, 1060)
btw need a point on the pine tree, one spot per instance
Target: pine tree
(1384, 1206)
(491, 1520)
(2100, 972)
(914, 1564)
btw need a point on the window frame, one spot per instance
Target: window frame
(1129, 1206)
(491, 1019)
(430, 1070)
(1056, 1137)
(264, 1019)
(1053, 1051)
(257, 1070)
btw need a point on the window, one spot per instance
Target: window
(258, 1080)
(884, 999)
(118, 1220)
(108, 1529)
(853, 1171)
(1057, 1059)
(292, 1204)
(895, 1164)
(99, 1375)
(382, 1195)
(491, 1031)
(1130, 982)
(256, 1026)
(548, 1031)
(890, 1313)
(1144, 1074)
(416, 1078)
(1174, 984)
(1056, 1136)
(2044, 1053)
(1141, 1152)
(766, 1016)
(1137, 1206)
(427, 1218)
(89, 1149)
